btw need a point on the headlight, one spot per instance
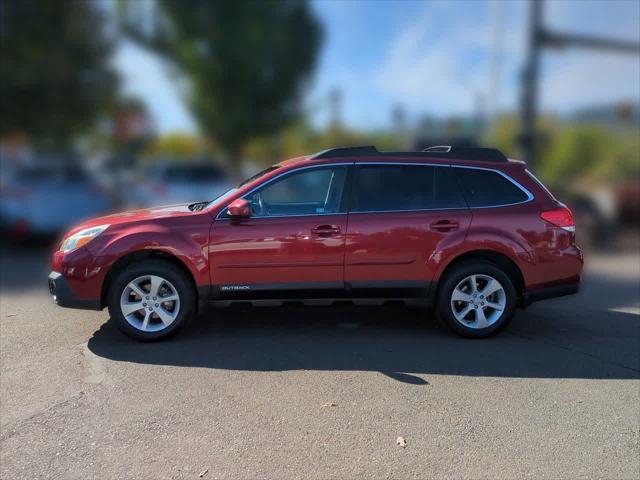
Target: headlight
(81, 238)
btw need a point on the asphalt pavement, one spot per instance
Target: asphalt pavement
(322, 392)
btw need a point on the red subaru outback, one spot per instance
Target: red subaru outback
(465, 229)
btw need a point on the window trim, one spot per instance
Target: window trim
(349, 180)
(530, 196)
(284, 174)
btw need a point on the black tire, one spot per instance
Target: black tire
(458, 274)
(173, 274)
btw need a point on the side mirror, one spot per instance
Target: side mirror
(239, 208)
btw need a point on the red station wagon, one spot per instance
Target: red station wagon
(464, 229)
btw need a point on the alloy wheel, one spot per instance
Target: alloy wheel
(478, 301)
(150, 303)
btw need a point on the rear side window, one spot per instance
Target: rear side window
(382, 188)
(486, 188)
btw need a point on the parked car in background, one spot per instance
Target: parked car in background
(44, 200)
(627, 195)
(467, 230)
(167, 184)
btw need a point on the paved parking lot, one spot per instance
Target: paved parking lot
(322, 392)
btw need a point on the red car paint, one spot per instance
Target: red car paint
(329, 251)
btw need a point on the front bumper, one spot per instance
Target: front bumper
(64, 296)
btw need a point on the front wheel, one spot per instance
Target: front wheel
(150, 300)
(476, 299)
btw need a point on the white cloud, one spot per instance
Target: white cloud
(441, 67)
(580, 79)
(437, 62)
(427, 66)
(608, 18)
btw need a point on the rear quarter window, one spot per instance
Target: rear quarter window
(540, 184)
(487, 188)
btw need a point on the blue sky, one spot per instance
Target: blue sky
(431, 57)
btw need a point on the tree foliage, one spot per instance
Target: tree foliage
(54, 68)
(175, 145)
(576, 151)
(592, 153)
(246, 62)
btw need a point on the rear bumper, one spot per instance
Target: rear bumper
(64, 296)
(550, 292)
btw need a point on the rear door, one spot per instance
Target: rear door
(293, 243)
(401, 217)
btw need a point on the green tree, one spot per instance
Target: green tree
(54, 73)
(573, 152)
(246, 62)
(175, 145)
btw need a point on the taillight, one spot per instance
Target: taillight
(560, 217)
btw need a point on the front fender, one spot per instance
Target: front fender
(188, 245)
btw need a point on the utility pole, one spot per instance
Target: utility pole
(540, 37)
(530, 83)
(496, 62)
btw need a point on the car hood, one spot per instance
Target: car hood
(136, 216)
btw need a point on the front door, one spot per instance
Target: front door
(293, 241)
(401, 217)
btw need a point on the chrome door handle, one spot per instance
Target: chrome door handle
(444, 225)
(325, 230)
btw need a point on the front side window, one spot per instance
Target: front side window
(228, 193)
(486, 188)
(383, 188)
(316, 191)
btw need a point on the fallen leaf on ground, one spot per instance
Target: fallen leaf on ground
(401, 442)
(203, 472)
(329, 405)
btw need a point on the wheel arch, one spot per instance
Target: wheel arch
(500, 260)
(136, 256)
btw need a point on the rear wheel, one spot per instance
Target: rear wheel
(150, 300)
(476, 299)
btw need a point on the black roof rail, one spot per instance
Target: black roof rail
(480, 154)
